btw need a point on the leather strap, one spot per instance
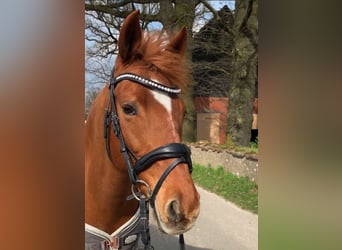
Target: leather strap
(172, 150)
(163, 177)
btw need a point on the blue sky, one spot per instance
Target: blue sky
(219, 4)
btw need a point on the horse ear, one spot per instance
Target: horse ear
(178, 42)
(130, 36)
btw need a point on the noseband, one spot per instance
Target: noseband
(179, 151)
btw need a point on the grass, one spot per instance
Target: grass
(252, 149)
(239, 190)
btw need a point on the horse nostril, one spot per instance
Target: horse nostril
(174, 212)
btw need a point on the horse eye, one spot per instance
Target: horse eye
(129, 109)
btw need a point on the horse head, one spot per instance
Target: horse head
(151, 117)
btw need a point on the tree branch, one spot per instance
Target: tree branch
(210, 8)
(112, 9)
(244, 25)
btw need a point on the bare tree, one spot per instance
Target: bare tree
(212, 55)
(90, 97)
(244, 78)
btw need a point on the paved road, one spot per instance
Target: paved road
(220, 226)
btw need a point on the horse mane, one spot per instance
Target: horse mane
(154, 52)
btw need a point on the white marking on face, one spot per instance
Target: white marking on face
(164, 100)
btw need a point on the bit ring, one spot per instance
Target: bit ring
(135, 192)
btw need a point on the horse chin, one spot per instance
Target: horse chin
(172, 228)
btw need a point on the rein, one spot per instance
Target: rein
(173, 150)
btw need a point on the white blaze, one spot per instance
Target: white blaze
(163, 100)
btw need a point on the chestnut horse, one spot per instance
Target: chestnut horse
(132, 146)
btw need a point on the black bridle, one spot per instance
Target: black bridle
(179, 151)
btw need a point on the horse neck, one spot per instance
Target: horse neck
(107, 184)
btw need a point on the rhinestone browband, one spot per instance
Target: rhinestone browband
(145, 82)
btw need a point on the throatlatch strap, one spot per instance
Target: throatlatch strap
(106, 132)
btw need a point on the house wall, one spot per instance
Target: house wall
(218, 105)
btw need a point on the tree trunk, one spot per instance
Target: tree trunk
(182, 13)
(244, 77)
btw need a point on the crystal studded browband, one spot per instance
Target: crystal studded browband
(145, 82)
